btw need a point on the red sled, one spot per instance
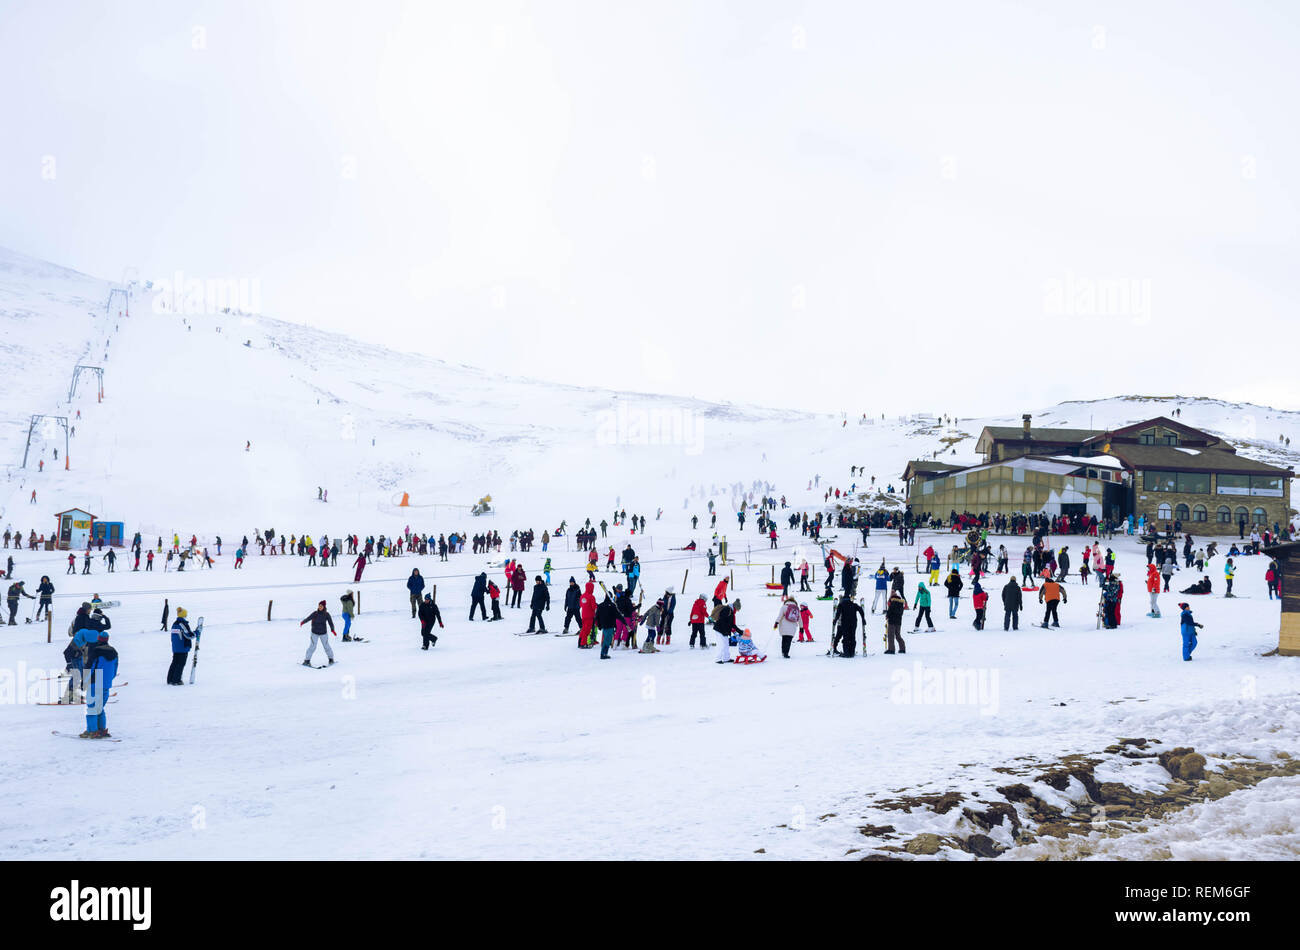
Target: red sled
(772, 586)
(750, 659)
(1029, 588)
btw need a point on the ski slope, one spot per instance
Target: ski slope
(524, 747)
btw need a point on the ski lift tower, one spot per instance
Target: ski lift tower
(31, 431)
(125, 302)
(76, 376)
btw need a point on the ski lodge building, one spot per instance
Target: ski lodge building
(1161, 469)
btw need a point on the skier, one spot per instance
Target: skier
(572, 601)
(319, 620)
(182, 636)
(1051, 594)
(923, 607)
(540, 601)
(100, 671)
(429, 615)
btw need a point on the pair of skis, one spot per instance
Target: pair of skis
(194, 660)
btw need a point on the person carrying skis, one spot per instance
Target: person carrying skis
(429, 615)
(182, 637)
(894, 611)
(322, 624)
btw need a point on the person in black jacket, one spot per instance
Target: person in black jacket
(847, 612)
(606, 618)
(787, 578)
(46, 590)
(15, 591)
(954, 585)
(429, 615)
(477, 594)
(1012, 601)
(572, 598)
(322, 624)
(541, 600)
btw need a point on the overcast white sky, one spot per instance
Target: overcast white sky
(839, 206)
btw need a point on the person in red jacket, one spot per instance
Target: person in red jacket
(1153, 588)
(980, 601)
(720, 592)
(360, 565)
(495, 593)
(699, 617)
(587, 608)
(609, 565)
(805, 615)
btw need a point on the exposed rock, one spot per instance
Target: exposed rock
(982, 846)
(1192, 767)
(876, 831)
(1016, 793)
(1114, 793)
(924, 844)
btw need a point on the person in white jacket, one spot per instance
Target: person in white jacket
(788, 622)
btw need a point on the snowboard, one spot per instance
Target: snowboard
(73, 735)
(194, 660)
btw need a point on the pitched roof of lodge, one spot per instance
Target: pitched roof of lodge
(1136, 427)
(1191, 460)
(1017, 434)
(926, 466)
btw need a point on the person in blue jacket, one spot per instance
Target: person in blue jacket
(415, 585)
(101, 668)
(633, 575)
(882, 587)
(182, 636)
(1189, 627)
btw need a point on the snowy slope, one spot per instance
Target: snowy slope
(509, 746)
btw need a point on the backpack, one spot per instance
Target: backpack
(791, 613)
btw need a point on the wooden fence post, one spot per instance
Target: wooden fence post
(268, 609)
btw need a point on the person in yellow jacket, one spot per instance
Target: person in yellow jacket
(1229, 571)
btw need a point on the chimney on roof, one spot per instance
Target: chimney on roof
(1026, 418)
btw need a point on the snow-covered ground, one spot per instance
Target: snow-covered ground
(493, 745)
